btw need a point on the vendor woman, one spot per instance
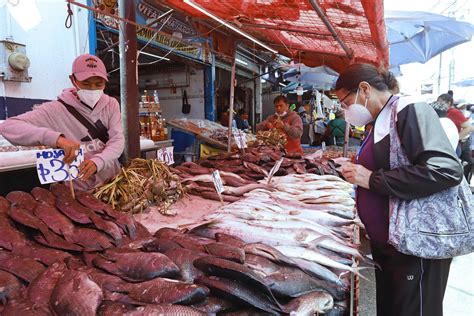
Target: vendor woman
(289, 122)
(82, 115)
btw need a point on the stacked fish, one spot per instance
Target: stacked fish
(306, 218)
(66, 256)
(240, 172)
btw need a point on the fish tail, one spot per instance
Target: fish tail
(356, 271)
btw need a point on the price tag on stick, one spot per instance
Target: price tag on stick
(166, 155)
(218, 184)
(51, 167)
(274, 170)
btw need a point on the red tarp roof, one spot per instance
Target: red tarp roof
(294, 28)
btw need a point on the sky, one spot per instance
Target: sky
(460, 57)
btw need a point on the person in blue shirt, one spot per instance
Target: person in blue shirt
(242, 119)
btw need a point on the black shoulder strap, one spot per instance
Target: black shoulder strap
(93, 130)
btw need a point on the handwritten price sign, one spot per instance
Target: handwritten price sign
(51, 167)
(240, 140)
(216, 176)
(165, 155)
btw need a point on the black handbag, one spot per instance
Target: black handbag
(186, 109)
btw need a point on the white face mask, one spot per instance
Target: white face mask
(281, 115)
(90, 97)
(358, 114)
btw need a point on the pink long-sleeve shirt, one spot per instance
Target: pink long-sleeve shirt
(45, 123)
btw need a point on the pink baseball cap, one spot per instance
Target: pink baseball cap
(86, 66)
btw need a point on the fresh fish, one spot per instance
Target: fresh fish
(59, 189)
(226, 251)
(141, 231)
(10, 287)
(184, 259)
(90, 239)
(188, 242)
(41, 289)
(76, 294)
(292, 282)
(45, 255)
(109, 308)
(166, 291)
(319, 271)
(337, 310)
(108, 227)
(25, 268)
(137, 266)
(268, 252)
(4, 205)
(24, 217)
(214, 196)
(167, 232)
(24, 307)
(126, 222)
(214, 305)
(52, 240)
(310, 304)
(229, 239)
(56, 221)
(255, 168)
(41, 194)
(261, 265)
(237, 291)
(235, 271)
(308, 254)
(10, 237)
(73, 210)
(239, 191)
(169, 310)
(22, 199)
(160, 245)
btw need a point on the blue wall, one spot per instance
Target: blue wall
(14, 106)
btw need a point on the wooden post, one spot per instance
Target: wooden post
(231, 103)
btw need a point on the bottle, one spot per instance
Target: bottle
(165, 130)
(145, 99)
(156, 101)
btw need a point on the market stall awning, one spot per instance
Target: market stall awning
(315, 32)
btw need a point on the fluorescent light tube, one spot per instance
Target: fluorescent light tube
(153, 55)
(240, 61)
(282, 84)
(235, 29)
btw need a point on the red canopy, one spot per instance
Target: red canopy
(344, 31)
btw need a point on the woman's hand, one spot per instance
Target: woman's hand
(70, 147)
(87, 169)
(356, 174)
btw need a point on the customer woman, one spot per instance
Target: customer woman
(406, 285)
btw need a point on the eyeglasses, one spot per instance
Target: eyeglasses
(343, 104)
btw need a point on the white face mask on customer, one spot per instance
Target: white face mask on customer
(90, 97)
(281, 115)
(358, 114)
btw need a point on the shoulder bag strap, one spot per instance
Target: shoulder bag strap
(91, 128)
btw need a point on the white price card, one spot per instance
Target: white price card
(218, 181)
(51, 167)
(166, 155)
(240, 140)
(274, 170)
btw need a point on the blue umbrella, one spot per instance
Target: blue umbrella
(419, 36)
(469, 82)
(321, 77)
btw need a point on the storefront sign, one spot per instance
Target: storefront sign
(166, 155)
(51, 167)
(145, 13)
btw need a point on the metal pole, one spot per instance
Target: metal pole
(330, 27)
(345, 149)
(231, 103)
(128, 80)
(439, 72)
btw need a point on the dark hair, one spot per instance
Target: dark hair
(446, 98)
(280, 98)
(451, 93)
(241, 112)
(380, 79)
